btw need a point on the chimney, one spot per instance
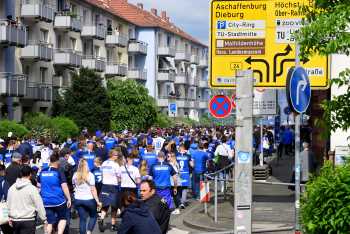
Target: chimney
(163, 14)
(140, 5)
(154, 11)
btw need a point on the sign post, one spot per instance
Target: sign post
(244, 156)
(298, 96)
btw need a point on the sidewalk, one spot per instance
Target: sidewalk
(273, 206)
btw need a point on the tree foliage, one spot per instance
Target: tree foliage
(326, 32)
(17, 129)
(325, 206)
(131, 106)
(64, 128)
(86, 101)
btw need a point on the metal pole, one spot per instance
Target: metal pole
(205, 203)
(244, 156)
(261, 157)
(216, 200)
(297, 155)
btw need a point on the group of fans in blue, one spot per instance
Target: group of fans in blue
(138, 176)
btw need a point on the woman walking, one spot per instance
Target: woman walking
(86, 199)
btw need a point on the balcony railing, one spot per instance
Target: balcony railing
(67, 21)
(12, 34)
(95, 63)
(12, 85)
(162, 101)
(39, 92)
(36, 50)
(137, 74)
(180, 78)
(194, 59)
(166, 75)
(203, 104)
(203, 62)
(95, 31)
(203, 84)
(67, 57)
(183, 56)
(166, 51)
(116, 40)
(116, 69)
(35, 10)
(137, 47)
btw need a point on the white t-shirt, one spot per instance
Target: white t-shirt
(158, 143)
(126, 182)
(110, 172)
(83, 191)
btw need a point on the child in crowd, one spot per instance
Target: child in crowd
(98, 174)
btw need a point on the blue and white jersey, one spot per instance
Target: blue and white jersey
(161, 174)
(51, 191)
(7, 157)
(136, 162)
(184, 163)
(89, 157)
(97, 174)
(158, 143)
(110, 143)
(150, 158)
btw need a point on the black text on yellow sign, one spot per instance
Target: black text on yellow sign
(259, 35)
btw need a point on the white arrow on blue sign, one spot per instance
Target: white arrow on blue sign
(298, 89)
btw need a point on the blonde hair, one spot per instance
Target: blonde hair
(82, 172)
(143, 168)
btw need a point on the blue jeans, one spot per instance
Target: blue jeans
(196, 182)
(86, 208)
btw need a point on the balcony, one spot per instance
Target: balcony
(57, 82)
(203, 62)
(190, 104)
(194, 59)
(34, 10)
(97, 31)
(67, 57)
(163, 101)
(193, 81)
(94, 63)
(137, 74)
(116, 40)
(181, 103)
(12, 85)
(39, 92)
(116, 69)
(182, 56)
(166, 51)
(67, 21)
(12, 34)
(203, 104)
(166, 75)
(180, 78)
(203, 84)
(37, 51)
(137, 47)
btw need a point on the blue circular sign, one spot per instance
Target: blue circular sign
(298, 89)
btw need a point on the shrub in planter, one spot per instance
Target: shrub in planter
(17, 129)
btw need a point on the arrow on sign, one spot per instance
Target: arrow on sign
(249, 60)
(301, 88)
(282, 65)
(287, 50)
(259, 73)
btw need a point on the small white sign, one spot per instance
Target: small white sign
(265, 102)
(341, 153)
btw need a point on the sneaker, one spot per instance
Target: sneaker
(114, 228)
(182, 206)
(176, 212)
(74, 214)
(101, 225)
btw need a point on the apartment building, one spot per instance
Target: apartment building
(176, 63)
(43, 42)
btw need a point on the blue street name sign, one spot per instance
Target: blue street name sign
(298, 89)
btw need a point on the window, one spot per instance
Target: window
(44, 36)
(97, 19)
(43, 75)
(160, 39)
(109, 55)
(119, 58)
(168, 40)
(73, 43)
(74, 8)
(97, 51)
(85, 17)
(59, 41)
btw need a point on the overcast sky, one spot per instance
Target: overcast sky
(190, 15)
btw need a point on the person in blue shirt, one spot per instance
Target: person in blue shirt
(199, 158)
(150, 157)
(55, 194)
(184, 159)
(161, 173)
(110, 142)
(96, 171)
(287, 140)
(8, 153)
(89, 155)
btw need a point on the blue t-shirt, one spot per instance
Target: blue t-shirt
(97, 174)
(110, 143)
(161, 173)
(150, 158)
(136, 162)
(200, 158)
(89, 157)
(78, 155)
(51, 191)
(8, 157)
(184, 163)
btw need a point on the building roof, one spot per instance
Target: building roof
(142, 18)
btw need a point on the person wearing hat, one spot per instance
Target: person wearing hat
(13, 170)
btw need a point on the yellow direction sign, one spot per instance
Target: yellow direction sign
(258, 35)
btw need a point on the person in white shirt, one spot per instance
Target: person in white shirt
(223, 156)
(158, 143)
(109, 195)
(129, 176)
(86, 199)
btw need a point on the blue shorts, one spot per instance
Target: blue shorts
(166, 195)
(56, 213)
(109, 196)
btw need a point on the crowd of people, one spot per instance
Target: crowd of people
(141, 177)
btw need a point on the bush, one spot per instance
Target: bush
(64, 128)
(40, 125)
(163, 121)
(325, 206)
(17, 129)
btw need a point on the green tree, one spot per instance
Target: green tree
(86, 101)
(326, 32)
(40, 125)
(131, 106)
(64, 128)
(17, 129)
